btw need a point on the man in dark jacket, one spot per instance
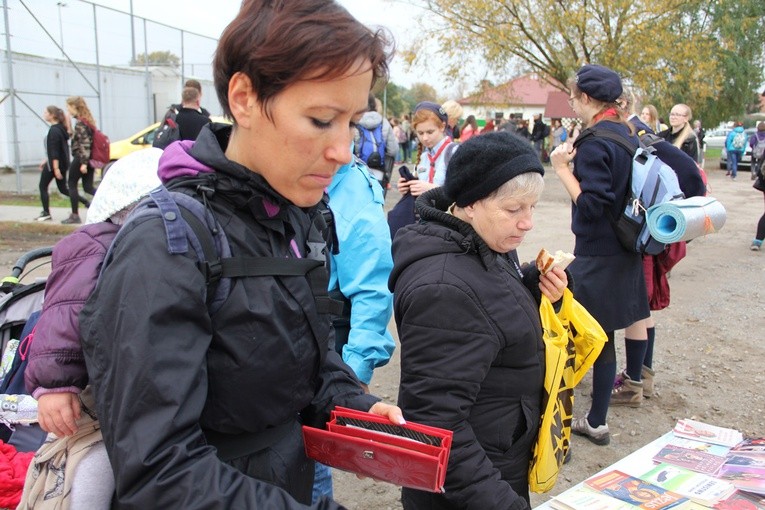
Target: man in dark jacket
(538, 134)
(189, 119)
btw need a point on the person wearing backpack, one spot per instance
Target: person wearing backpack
(80, 168)
(189, 119)
(735, 144)
(757, 143)
(603, 267)
(375, 143)
(204, 408)
(56, 374)
(656, 267)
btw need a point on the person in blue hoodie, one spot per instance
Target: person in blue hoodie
(735, 144)
(358, 276)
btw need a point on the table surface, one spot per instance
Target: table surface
(635, 464)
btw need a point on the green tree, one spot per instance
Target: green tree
(391, 95)
(706, 53)
(157, 58)
(420, 92)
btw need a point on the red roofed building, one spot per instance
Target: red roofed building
(524, 96)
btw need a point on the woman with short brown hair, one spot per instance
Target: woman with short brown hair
(201, 406)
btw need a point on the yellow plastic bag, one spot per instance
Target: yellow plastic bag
(573, 340)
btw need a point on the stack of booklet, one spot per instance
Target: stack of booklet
(702, 466)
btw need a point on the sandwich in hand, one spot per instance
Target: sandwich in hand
(546, 260)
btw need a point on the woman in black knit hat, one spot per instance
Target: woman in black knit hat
(472, 357)
(609, 278)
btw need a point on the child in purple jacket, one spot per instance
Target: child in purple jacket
(56, 374)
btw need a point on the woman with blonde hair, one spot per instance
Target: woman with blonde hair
(650, 115)
(82, 141)
(453, 111)
(681, 133)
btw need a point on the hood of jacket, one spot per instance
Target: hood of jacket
(445, 234)
(370, 120)
(206, 156)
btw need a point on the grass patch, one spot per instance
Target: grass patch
(713, 153)
(56, 199)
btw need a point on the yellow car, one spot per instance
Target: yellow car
(142, 140)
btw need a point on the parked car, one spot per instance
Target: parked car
(141, 140)
(715, 138)
(746, 161)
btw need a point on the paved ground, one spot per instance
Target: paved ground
(29, 183)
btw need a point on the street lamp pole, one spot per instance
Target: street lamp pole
(61, 27)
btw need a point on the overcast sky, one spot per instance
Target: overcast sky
(209, 18)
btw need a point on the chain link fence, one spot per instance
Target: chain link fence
(55, 49)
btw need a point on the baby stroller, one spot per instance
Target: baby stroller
(20, 305)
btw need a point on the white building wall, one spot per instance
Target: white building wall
(129, 100)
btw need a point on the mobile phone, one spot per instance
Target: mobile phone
(404, 172)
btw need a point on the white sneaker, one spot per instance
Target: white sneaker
(598, 435)
(43, 217)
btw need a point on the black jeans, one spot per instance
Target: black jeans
(87, 184)
(46, 176)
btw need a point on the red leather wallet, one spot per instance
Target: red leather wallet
(410, 455)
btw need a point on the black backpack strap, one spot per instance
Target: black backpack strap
(625, 143)
(606, 133)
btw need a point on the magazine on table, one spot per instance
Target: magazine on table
(692, 429)
(744, 460)
(695, 460)
(698, 487)
(635, 491)
(752, 447)
(742, 501)
(695, 444)
(584, 498)
(745, 478)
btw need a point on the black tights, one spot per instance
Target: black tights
(761, 226)
(46, 175)
(87, 184)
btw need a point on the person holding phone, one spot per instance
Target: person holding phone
(436, 148)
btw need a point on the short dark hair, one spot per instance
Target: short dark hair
(193, 83)
(278, 42)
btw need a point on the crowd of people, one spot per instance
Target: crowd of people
(199, 388)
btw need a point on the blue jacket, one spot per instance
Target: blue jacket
(729, 140)
(360, 271)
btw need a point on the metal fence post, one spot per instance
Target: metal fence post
(12, 93)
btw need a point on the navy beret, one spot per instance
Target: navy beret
(484, 163)
(599, 82)
(433, 107)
